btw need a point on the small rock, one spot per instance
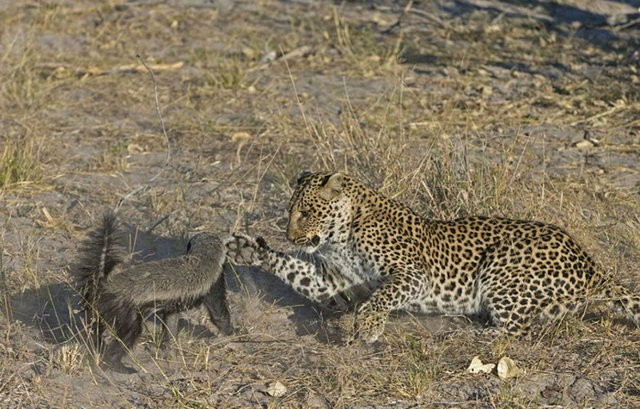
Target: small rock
(240, 136)
(551, 392)
(584, 144)
(477, 366)
(508, 369)
(268, 57)
(134, 148)
(582, 390)
(248, 53)
(276, 389)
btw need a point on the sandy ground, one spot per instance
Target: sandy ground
(520, 109)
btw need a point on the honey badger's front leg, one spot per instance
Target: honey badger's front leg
(310, 275)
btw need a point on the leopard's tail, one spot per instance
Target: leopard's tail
(99, 254)
(623, 301)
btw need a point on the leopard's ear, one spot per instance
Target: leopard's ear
(331, 186)
(301, 178)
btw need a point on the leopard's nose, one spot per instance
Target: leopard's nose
(315, 240)
(290, 234)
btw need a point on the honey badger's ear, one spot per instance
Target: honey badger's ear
(191, 243)
(301, 178)
(331, 186)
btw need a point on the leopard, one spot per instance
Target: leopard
(512, 271)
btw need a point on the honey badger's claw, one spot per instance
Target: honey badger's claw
(262, 242)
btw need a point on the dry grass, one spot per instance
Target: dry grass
(453, 112)
(19, 163)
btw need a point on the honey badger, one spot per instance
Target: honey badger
(122, 296)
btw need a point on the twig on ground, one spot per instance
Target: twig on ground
(272, 56)
(159, 222)
(613, 110)
(97, 71)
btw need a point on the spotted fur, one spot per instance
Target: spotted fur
(512, 270)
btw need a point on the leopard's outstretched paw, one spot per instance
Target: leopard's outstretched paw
(245, 250)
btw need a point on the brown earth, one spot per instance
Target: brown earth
(520, 109)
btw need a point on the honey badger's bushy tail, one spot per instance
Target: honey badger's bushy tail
(99, 254)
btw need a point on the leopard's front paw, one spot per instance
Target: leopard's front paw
(245, 250)
(369, 325)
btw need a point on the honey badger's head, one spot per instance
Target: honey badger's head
(206, 244)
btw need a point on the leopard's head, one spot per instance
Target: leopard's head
(319, 209)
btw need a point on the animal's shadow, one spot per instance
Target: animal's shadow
(309, 318)
(54, 311)
(324, 320)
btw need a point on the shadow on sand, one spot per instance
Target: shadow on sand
(53, 310)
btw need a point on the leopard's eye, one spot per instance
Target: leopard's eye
(304, 214)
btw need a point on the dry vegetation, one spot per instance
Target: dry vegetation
(519, 109)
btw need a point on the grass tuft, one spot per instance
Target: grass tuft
(20, 163)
